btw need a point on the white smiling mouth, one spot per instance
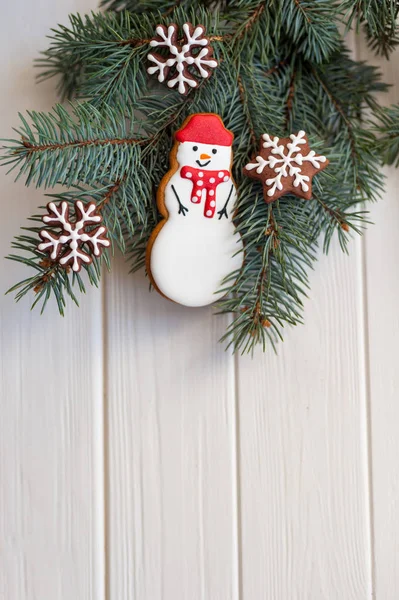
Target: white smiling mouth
(203, 164)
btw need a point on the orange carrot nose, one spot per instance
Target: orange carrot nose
(204, 156)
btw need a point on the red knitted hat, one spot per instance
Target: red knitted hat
(205, 128)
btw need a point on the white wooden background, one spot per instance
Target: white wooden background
(139, 461)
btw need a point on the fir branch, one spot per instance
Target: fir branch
(340, 110)
(336, 215)
(251, 27)
(94, 56)
(312, 27)
(50, 279)
(126, 219)
(386, 125)
(266, 294)
(255, 16)
(64, 148)
(339, 91)
(144, 6)
(290, 98)
(244, 101)
(102, 57)
(277, 67)
(379, 19)
(258, 318)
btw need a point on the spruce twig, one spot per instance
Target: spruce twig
(379, 20)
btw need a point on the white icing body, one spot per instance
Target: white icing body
(192, 254)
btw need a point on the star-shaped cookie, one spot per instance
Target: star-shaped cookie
(285, 166)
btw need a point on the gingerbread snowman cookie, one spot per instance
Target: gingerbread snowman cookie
(195, 246)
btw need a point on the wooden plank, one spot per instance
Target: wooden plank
(51, 460)
(381, 259)
(171, 447)
(302, 441)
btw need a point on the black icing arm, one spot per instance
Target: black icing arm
(182, 209)
(223, 211)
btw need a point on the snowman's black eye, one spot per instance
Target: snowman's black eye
(214, 151)
(195, 148)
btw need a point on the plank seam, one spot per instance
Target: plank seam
(366, 373)
(237, 508)
(105, 445)
(367, 395)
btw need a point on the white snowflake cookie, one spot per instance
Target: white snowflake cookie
(178, 67)
(66, 248)
(285, 166)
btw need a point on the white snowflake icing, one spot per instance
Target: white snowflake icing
(286, 163)
(73, 234)
(180, 57)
